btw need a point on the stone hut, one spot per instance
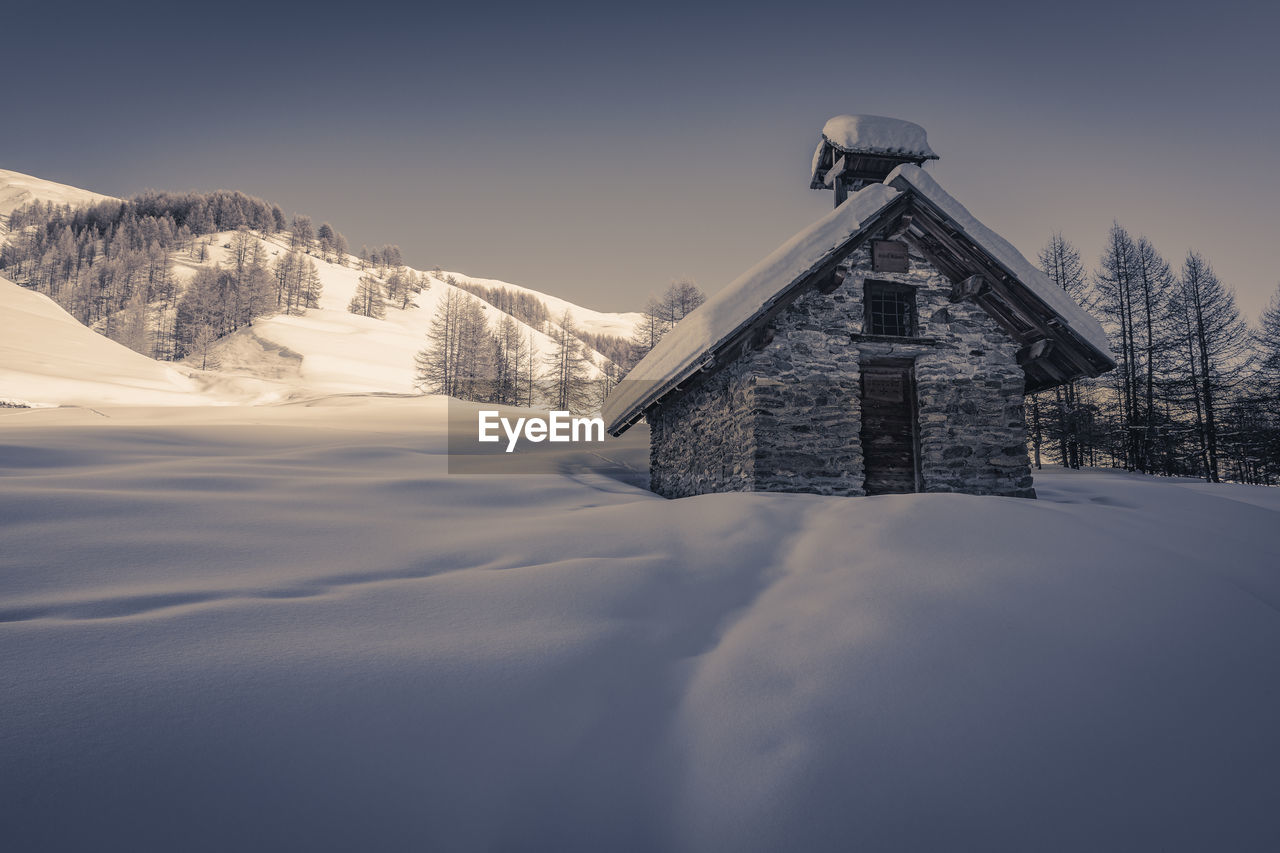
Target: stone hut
(886, 348)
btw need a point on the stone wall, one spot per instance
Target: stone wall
(702, 440)
(787, 417)
(807, 418)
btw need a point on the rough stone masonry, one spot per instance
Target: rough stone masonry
(787, 417)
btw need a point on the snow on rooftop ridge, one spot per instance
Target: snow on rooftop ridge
(865, 134)
(908, 177)
(817, 157)
(724, 314)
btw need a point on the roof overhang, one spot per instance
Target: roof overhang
(1052, 352)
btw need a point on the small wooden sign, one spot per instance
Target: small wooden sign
(883, 386)
(888, 256)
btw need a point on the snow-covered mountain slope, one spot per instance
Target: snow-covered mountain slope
(618, 325)
(294, 620)
(48, 358)
(17, 189)
(330, 350)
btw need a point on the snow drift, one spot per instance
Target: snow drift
(287, 627)
(47, 357)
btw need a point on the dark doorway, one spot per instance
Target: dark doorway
(889, 428)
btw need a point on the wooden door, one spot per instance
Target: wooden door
(889, 435)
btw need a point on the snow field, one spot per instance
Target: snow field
(286, 626)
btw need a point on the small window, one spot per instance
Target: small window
(891, 309)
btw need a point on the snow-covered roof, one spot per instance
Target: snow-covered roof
(878, 135)
(683, 351)
(677, 355)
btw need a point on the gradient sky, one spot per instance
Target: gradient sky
(596, 152)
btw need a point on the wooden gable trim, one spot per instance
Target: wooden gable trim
(1024, 316)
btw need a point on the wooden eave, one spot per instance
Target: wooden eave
(1024, 315)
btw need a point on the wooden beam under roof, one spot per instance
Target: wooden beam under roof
(1020, 308)
(834, 173)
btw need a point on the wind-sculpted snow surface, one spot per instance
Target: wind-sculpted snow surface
(48, 358)
(287, 628)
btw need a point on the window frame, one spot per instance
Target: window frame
(876, 290)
